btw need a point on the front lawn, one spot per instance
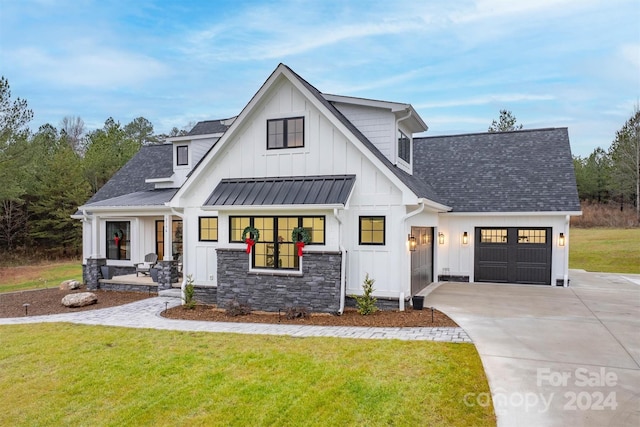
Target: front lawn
(65, 374)
(38, 276)
(611, 250)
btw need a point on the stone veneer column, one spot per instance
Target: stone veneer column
(167, 273)
(93, 273)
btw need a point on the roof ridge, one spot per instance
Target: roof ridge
(490, 133)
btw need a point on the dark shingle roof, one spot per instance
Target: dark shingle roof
(302, 190)
(420, 188)
(139, 198)
(152, 161)
(522, 171)
(209, 126)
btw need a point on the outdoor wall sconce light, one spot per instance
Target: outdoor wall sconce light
(465, 238)
(412, 242)
(561, 239)
(441, 238)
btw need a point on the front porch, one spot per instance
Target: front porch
(168, 278)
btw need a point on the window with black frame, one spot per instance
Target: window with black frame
(275, 249)
(404, 147)
(285, 133)
(118, 240)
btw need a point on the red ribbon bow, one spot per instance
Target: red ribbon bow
(250, 244)
(300, 245)
(117, 240)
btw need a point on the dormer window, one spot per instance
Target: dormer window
(182, 155)
(404, 147)
(285, 133)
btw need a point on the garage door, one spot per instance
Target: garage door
(513, 255)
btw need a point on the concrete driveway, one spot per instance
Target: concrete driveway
(554, 356)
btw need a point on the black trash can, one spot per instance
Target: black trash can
(418, 302)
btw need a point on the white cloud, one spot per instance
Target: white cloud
(88, 68)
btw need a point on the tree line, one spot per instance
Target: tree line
(45, 175)
(613, 176)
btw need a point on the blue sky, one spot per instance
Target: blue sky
(553, 63)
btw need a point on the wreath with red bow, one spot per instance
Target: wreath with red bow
(301, 237)
(252, 239)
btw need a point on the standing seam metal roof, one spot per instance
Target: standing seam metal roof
(302, 190)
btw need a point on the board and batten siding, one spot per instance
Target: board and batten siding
(326, 152)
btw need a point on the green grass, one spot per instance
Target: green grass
(38, 276)
(64, 374)
(612, 250)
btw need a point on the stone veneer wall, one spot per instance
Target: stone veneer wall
(387, 304)
(206, 294)
(318, 289)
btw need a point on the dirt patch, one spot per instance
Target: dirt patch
(350, 317)
(48, 301)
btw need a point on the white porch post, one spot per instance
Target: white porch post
(168, 244)
(95, 237)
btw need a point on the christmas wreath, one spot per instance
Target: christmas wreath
(252, 232)
(301, 237)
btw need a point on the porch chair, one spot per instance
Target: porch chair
(145, 267)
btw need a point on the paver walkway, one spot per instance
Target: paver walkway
(146, 314)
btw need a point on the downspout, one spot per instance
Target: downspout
(343, 264)
(184, 252)
(404, 220)
(565, 279)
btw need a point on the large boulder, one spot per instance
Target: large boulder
(79, 299)
(70, 285)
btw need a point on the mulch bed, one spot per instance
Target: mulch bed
(350, 317)
(48, 301)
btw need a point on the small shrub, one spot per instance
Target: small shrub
(233, 308)
(367, 302)
(297, 313)
(189, 294)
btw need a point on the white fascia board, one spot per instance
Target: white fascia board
(398, 108)
(435, 206)
(159, 180)
(126, 210)
(393, 106)
(272, 207)
(541, 214)
(185, 138)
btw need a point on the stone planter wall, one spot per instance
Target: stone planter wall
(318, 289)
(206, 294)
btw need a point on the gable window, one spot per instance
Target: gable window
(182, 155)
(372, 230)
(118, 240)
(275, 249)
(404, 147)
(285, 133)
(208, 229)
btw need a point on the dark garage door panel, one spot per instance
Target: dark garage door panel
(513, 262)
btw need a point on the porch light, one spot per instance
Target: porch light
(561, 240)
(441, 238)
(465, 238)
(412, 242)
